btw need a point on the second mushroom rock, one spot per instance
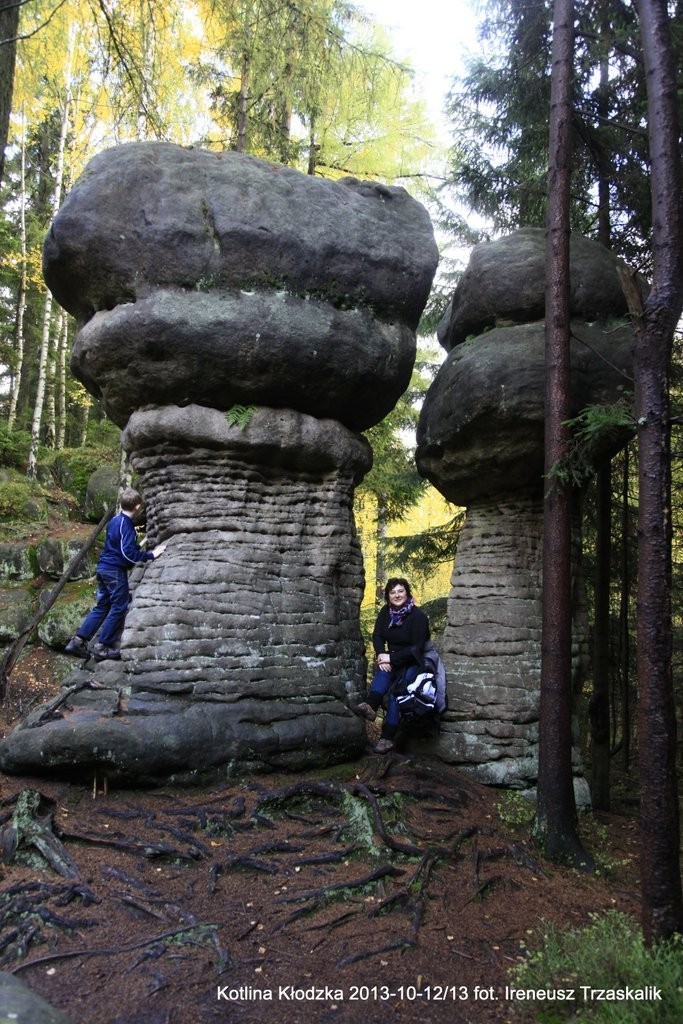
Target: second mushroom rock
(480, 441)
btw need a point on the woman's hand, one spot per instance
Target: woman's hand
(384, 662)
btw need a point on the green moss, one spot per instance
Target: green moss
(14, 447)
(73, 467)
(22, 500)
(360, 827)
(515, 809)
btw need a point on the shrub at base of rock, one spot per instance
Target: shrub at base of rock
(73, 468)
(22, 502)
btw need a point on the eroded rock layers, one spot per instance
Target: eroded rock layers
(480, 442)
(264, 575)
(241, 321)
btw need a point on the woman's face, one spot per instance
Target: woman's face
(398, 596)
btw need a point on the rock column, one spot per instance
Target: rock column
(480, 442)
(241, 322)
(494, 619)
(254, 599)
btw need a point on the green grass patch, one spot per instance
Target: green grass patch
(614, 977)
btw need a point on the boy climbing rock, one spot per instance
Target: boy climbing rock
(120, 552)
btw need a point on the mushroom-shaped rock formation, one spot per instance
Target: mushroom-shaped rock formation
(504, 282)
(217, 278)
(241, 321)
(480, 442)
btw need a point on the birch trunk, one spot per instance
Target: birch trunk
(32, 467)
(50, 416)
(85, 412)
(21, 300)
(61, 379)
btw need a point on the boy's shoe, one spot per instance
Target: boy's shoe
(78, 647)
(103, 653)
(364, 711)
(383, 746)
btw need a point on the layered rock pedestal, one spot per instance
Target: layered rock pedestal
(241, 322)
(252, 601)
(480, 442)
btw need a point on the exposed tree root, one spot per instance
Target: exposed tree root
(386, 870)
(50, 709)
(86, 952)
(147, 849)
(321, 826)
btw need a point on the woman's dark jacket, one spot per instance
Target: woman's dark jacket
(405, 642)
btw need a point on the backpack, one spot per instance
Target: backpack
(416, 698)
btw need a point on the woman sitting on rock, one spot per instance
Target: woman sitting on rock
(399, 637)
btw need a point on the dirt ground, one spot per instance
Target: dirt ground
(390, 889)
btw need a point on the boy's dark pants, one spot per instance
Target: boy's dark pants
(113, 598)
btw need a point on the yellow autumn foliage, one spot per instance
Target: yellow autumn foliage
(432, 510)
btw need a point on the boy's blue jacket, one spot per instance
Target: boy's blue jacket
(121, 549)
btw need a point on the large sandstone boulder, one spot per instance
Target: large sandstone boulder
(480, 432)
(17, 561)
(16, 611)
(54, 554)
(217, 278)
(241, 321)
(101, 492)
(504, 282)
(150, 215)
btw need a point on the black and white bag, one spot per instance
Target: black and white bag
(418, 697)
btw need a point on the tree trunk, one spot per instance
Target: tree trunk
(50, 418)
(61, 379)
(284, 109)
(47, 308)
(242, 107)
(313, 149)
(85, 416)
(32, 467)
(9, 26)
(380, 559)
(604, 161)
(21, 298)
(556, 820)
(662, 896)
(599, 710)
(624, 632)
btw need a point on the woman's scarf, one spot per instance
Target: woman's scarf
(397, 615)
